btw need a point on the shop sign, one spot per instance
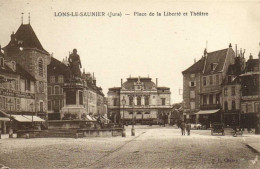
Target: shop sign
(11, 93)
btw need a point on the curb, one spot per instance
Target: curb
(253, 149)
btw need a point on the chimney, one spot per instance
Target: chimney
(230, 46)
(205, 53)
(250, 57)
(236, 50)
(121, 82)
(244, 53)
(156, 82)
(194, 60)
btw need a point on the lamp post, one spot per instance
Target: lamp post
(11, 123)
(133, 128)
(123, 103)
(31, 105)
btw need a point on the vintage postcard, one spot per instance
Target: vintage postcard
(129, 84)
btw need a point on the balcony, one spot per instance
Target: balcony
(210, 106)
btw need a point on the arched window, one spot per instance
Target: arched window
(40, 65)
(139, 100)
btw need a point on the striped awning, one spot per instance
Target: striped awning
(207, 111)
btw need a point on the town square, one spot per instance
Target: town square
(133, 91)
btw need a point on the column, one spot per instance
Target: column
(4, 127)
(77, 97)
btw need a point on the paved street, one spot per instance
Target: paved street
(152, 147)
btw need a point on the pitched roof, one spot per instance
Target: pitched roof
(27, 36)
(218, 57)
(196, 67)
(129, 84)
(57, 67)
(251, 64)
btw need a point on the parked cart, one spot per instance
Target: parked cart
(217, 128)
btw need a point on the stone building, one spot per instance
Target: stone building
(231, 92)
(57, 74)
(145, 101)
(83, 97)
(202, 86)
(25, 48)
(250, 99)
(17, 91)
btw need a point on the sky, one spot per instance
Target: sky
(155, 46)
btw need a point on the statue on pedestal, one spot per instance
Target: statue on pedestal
(75, 65)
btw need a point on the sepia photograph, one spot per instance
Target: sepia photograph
(129, 84)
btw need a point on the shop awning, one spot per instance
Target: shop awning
(90, 118)
(4, 119)
(34, 118)
(207, 111)
(21, 118)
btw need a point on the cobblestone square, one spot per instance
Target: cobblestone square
(152, 147)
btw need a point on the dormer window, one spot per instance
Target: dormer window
(2, 62)
(14, 65)
(213, 66)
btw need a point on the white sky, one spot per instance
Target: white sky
(117, 47)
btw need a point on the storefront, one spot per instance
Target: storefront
(207, 117)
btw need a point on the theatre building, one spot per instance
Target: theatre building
(139, 100)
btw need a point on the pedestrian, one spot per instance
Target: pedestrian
(188, 127)
(183, 128)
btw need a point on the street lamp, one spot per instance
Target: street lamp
(123, 103)
(31, 105)
(133, 128)
(11, 123)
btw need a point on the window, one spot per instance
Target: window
(226, 105)
(204, 81)
(115, 102)
(40, 64)
(52, 79)
(204, 99)
(49, 106)
(131, 100)
(217, 99)
(217, 79)
(229, 79)
(41, 106)
(192, 94)
(211, 99)
(57, 90)
(210, 80)
(163, 101)
(243, 108)
(192, 84)
(146, 100)
(139, 100)
(130, 112)
(233, 90)
(80, 98)
(192, 105)
(225, 91)
(18, 103)
(60, 79)
(139, 113)
(2, 102)
(257, 108)
(233, 105)
(1, 61)
(49, 90)
(250, 108)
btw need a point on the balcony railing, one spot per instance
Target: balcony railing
(210, 106)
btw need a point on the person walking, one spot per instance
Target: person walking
(188, 127)
(182, 128)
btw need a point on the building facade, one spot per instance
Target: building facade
(202, 90)
(83, 97)
(17, 91)
(250, 99)
(139, 100)
(25, 48)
